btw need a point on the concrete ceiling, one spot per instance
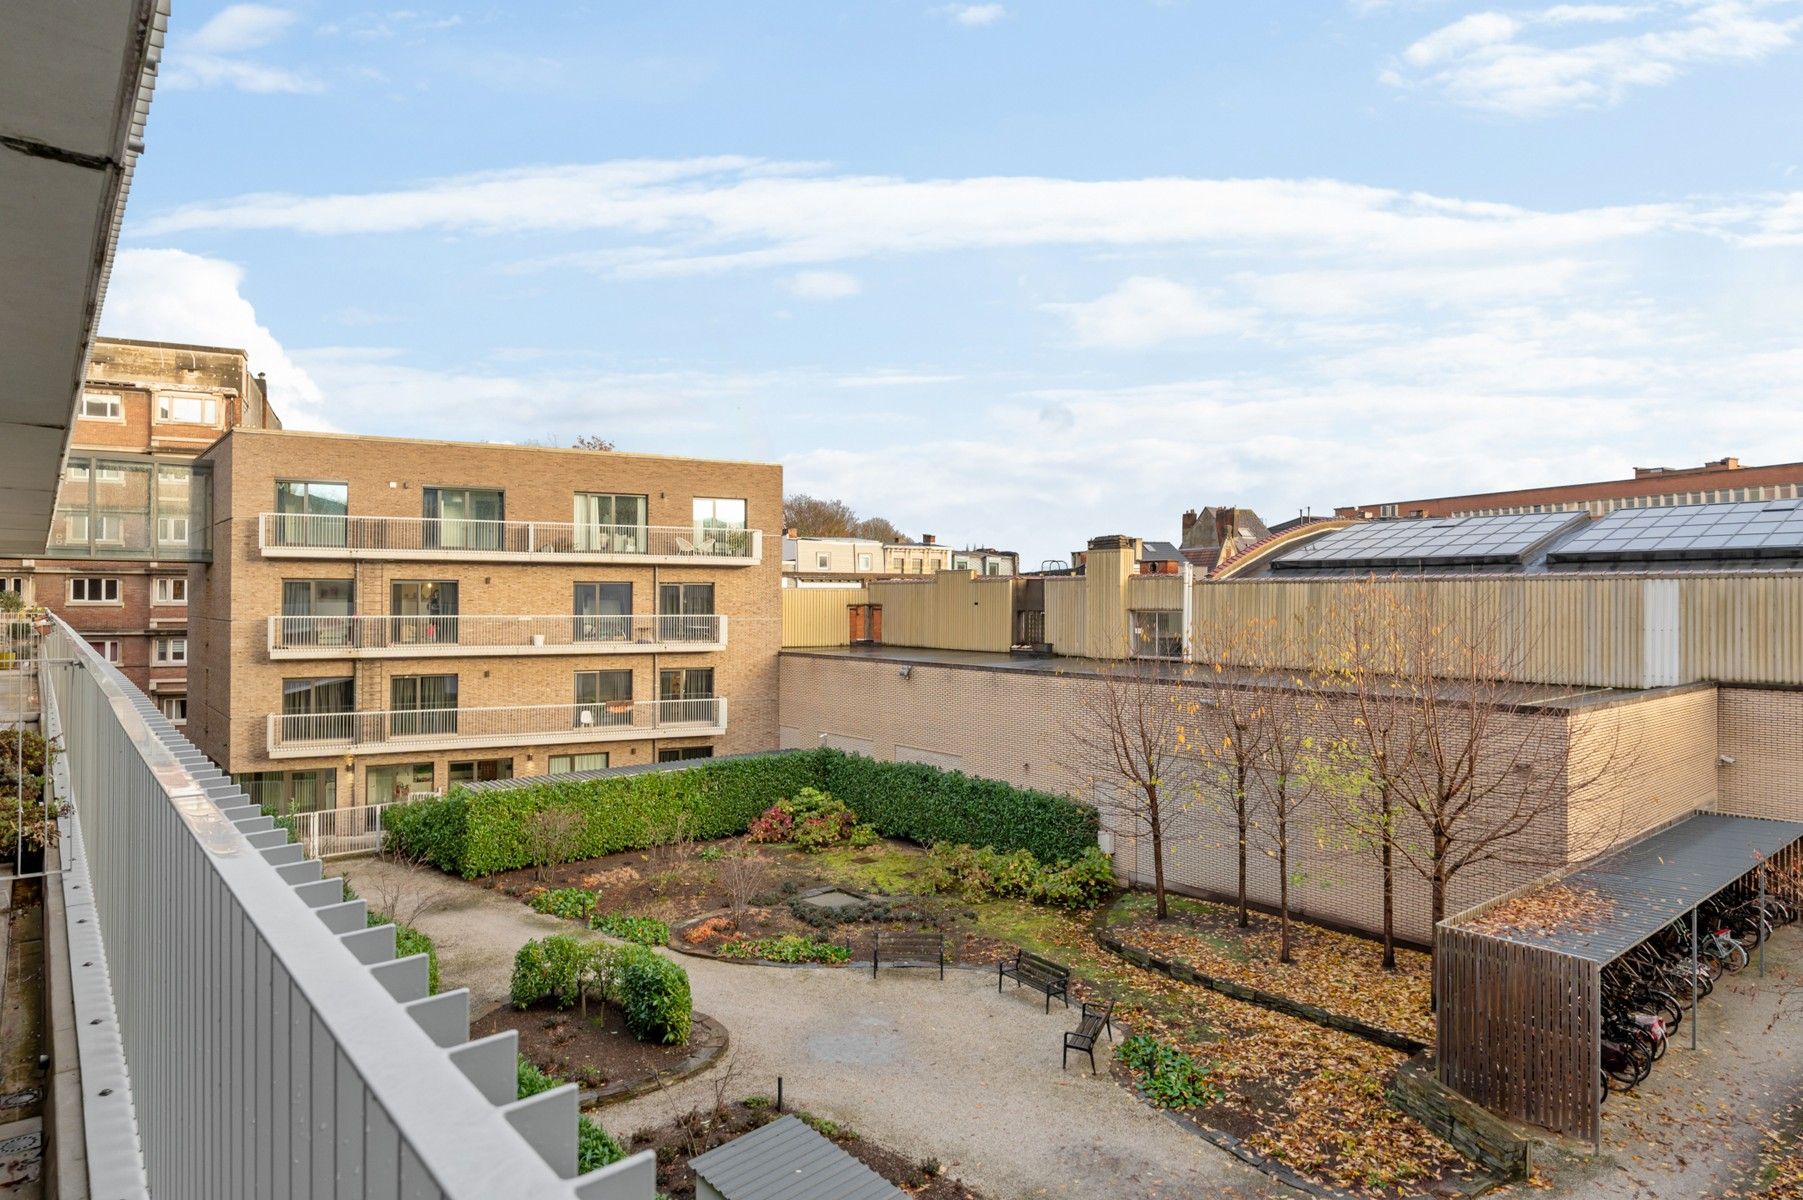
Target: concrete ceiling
(75, 84)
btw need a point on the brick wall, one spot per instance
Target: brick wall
(1640, 764)
(1762, 730)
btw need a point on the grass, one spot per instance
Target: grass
(885, 868)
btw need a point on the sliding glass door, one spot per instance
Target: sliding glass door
(422, 705)
(603, 698)
(422, 612)
(464, 518)
(607, 523)
(603, 612)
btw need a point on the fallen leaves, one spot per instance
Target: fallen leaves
(1555, 908)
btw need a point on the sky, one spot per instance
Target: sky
(1014, 274)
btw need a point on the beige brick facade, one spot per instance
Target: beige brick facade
(236, 684)
(1761, 729)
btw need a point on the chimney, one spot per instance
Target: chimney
(794, 531)
(927, 539)
(1723, 464)
(1190, 517)
(1224, 524)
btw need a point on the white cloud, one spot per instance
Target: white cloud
(1484, 60)
(974, 15)
(175, 296)
(1147, 311)
(212, 56)
(823, 285)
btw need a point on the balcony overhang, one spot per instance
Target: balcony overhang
(432, 743)
(329, 735)
(487, 636)
(452, 650)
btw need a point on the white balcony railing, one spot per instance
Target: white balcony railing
(297, 535)
(337, 832)
(428, 636)
(300, 735)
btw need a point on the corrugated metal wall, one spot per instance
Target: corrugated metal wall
(817, 617)
(953, 611)
(1066, 609)
(1745, 629)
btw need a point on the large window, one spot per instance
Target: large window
(88, 589)
(480, 770)
(563, 764)
(464, 518)
(171, 589)
(687, 694)
(175, 708)
(422, 611)
(396, 781)
(281, 792)
(603, 612)
(422, 704)
(603, 698)
(171, 651)
(187, 410)
(313, 512)
(104, 529)
(610, 523)
(719, 525)
(684, 753)
(315, 612)
(318, 709)
(685, 611)
(1158, 633)
(102, 406)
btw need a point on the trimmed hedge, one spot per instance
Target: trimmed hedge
(650, 991)
(478, 833)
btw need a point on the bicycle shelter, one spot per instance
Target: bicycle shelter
(1519, 978)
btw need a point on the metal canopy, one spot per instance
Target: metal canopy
(786, 1160)
(1643, 887)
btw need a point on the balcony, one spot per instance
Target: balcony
(290, 535)
(402, 730)
(444, 637)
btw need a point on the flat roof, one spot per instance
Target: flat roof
(1600, 912)
(785, 1160)
(247, 431)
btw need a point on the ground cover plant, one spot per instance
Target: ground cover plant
(594, 1148)
(1340, 972)
(786, 948)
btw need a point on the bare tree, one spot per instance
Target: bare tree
(1283, 721)
(404, 896)
(1126, 735)
(744, 873)
(815, 517)
(553, 835)
(879, 529)
(591, 441)
(1230, 733)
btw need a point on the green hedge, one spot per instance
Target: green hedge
(479, 833)
(650, 991)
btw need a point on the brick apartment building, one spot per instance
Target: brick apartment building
(1722, 481)
(384, 617)
(129, 516)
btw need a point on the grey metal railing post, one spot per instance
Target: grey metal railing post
(1696, 1008)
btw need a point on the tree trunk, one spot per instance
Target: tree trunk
(1283, 889)
(1389, 860)
(1157, 851)
(1239, 806)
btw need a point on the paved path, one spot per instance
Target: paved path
(943, 1070)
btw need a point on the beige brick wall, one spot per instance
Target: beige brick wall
(1762, 730)
(1013, 724)
(234, 684)
(1640, 764)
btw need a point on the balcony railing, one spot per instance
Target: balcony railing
(301, 734)
(428, 636)
(300, 535)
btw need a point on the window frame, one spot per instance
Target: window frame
(113, 580)
(164, 703)
(570, 766)
(163, 653)
(163, 588)
(165, 409)
(116, 399)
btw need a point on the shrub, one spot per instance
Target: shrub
(777, 824)
(812, 819)
(594, 1148)
(408, 941)
(646, 931)
(435, 831)
(788, 948)
(572, 904)
(559, 968)
(978, 872)
(1169, 1077)
(653, 994)
(531, 1080)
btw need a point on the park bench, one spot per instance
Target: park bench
(1096, 1018)
(908, 950)
(1040, 973)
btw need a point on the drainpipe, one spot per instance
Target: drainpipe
(1189, 605)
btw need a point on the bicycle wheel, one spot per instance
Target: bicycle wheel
(1736, 956)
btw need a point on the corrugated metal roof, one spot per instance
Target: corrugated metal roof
(785, 1160)
(1631, 894)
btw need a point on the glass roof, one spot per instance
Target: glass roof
(1755, 529)
(1506, 539)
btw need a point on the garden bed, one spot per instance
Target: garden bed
(597, 1052)
(690, 1136)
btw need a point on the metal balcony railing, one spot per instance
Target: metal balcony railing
(301, 734)
(426, 636)
(237, 1028)
(303, 535)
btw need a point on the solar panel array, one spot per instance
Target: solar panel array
(1448, 541)
(1756, 529)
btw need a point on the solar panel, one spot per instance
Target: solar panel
(1754, 529)
(1448, 541)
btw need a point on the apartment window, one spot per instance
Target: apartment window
(171, 589)
(171, 651)
(397, 781)
(106, 529)
(315, 612)
(102, 406)
(603, 698)
(685, 612)
(719, 525)
(108, 647)
(281, 792)
(187, 410)
(863, 562)
(687, 694)
(822, 560)
(82, 473)
(481, 770)
(563, 764)
(422, 704)
(14, 584)
(1158, 633)
(464, 518)
(88, 589)
(318, 709)
(313, 512)
(610, 523)
(172, 531)
(684, 753)
(175, 708)
(960, 564)
(603, 612)
(422, 612)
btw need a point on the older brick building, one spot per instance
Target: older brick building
(386, 616)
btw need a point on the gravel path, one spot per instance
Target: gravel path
(947, 1070)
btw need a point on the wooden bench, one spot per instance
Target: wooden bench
(908, 950)
(1040, 973)
(1096, 1018)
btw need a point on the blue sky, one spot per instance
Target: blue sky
(1011, 273)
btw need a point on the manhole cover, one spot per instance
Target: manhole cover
(835, 900)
